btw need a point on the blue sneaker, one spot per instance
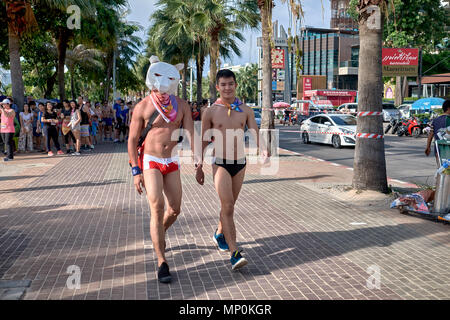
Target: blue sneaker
(237, 261)
(221, 244)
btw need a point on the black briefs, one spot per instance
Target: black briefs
(232, 166)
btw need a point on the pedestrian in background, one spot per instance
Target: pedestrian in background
(7, 128)
(26, 129)
(437, 126)
(51, 121)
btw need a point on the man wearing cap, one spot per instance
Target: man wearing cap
(7, 128)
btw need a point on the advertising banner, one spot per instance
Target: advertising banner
(307, 84)
(400, 62)
(277, 59)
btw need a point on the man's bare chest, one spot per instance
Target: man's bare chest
(159, 122)
(222, 121)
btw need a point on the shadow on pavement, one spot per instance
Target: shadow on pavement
(266, 255)
(286, 179)
(74, 185)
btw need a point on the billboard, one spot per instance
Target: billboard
(400, 62)
(278, 59)
(277, 85)
(307, 84)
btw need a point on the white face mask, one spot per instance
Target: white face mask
(162, 76)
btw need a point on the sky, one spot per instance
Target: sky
(314, 15)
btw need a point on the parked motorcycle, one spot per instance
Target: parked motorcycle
(410, 127)
(392, 124)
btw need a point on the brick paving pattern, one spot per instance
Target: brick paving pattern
(83, 211)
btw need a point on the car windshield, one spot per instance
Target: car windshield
(344, 121)
(388, 106)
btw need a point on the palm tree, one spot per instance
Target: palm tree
(247, 79)
(86, 58)
(267, 116)
(223, 22)
(170, 40)
(179, 32)
(21, 20)
(370, 163)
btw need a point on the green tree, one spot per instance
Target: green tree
(412, 24)
(247, 79)
(180, 33)
(87, 58)
(21, 20)
(223, 22)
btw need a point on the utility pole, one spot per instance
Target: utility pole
(420, 73)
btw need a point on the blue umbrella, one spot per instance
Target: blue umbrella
(427, 104)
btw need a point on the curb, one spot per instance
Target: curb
(406, 184)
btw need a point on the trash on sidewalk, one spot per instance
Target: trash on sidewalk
(411, 202)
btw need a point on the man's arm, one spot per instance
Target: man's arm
(251, 124)
(429, 140)
(136, 125)
(205, 138)
(11, 114)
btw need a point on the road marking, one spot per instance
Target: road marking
(358, 223)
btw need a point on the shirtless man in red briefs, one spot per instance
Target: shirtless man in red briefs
(161, 166)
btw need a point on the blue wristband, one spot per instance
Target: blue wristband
(135, 171)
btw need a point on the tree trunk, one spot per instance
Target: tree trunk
(200, 61)
(72, 85)
(109, 69)
(401, 89)
(369, 168)
(184, 80)
(213, 57)
(50, 85)
(405, 87)
(18, 89)
(62, 43)
(267, 116)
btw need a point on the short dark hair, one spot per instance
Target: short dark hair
(446, 105)
(225, 73)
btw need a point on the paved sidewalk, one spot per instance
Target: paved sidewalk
(301, 244)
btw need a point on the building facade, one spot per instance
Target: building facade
(329, 52)
(340, 18)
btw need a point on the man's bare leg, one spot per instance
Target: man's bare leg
(237, 181)
(173, 195)
(154, 187)
(228, 190)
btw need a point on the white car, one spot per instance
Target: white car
(336, 129)
(352, 107)
(405, 110)
(389, 112)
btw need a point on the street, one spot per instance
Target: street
(405, 158)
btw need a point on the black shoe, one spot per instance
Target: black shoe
(164, 274)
